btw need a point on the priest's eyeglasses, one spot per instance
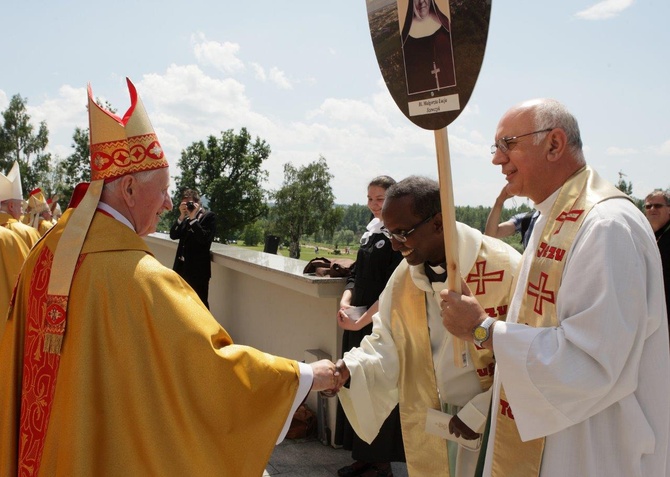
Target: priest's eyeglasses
(402, 235)
(505, 142)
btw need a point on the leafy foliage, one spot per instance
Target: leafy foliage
(19, 142)
(304, 202)
(227, 171)
(253, 234)
(76, 168)
(356, 217)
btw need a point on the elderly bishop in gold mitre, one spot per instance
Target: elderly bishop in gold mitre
(110, 363)
(11, 206)
(39, 212)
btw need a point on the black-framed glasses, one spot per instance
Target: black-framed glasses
(654, 206)
(505, 142)
(402, 235)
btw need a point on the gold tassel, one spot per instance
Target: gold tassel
(53, 343)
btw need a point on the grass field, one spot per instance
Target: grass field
(307, 251)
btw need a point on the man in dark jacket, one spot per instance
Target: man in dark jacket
(657, 210)
(195, 229)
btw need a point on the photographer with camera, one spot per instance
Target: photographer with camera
(195, 229)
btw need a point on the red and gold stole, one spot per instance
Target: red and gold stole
(511, 456)
(490, 282)
(45, 326)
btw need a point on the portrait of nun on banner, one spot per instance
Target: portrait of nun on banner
(426, 45)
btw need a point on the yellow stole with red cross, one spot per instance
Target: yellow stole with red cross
(511, 456)
(491, 282)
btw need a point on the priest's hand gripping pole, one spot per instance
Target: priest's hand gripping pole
(449, 228)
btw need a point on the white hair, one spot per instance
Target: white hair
(141, 177)
(549, 114)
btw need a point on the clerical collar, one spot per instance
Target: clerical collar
(435, 273)
(116, 214)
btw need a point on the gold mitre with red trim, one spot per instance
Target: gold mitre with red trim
(37, 202)
(121, 146)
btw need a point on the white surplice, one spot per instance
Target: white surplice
(374, 366)
(597, 386)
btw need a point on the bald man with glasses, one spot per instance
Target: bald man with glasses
(582, 372)
(408, 359)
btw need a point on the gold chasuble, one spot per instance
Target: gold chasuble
(28, 234)
(511, 456)
(147, 383)
(13, 251)
(490, 280)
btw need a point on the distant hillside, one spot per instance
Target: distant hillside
(374, 5)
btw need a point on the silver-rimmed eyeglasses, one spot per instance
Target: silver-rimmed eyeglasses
(505, 142)
(402, 235)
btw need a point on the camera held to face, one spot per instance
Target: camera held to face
(190, 206)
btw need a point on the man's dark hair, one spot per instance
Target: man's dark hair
(425, 193)
(191, 194)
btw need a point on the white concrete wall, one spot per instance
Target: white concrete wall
(265, 301)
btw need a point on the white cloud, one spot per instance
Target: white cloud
(4, 101)
(279, 78)
(222, 56)
(187, 105)
(276, 76)
(604, 10)
(259, 72)
(62, 114)
(664, 149)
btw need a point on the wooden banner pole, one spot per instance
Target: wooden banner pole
(449, 227)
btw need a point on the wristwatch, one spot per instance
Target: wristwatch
(482, 332)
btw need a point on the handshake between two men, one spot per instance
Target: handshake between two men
(330, 377)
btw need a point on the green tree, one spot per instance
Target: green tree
(332, 220)
(303, 202)
(227, 171)
(253, 234)
(345, 236)
(356, 217)
(76, 167)
(623, 186)
(19, 142)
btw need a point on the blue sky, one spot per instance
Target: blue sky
(304, 77)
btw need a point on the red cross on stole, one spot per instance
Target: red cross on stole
(480, 277)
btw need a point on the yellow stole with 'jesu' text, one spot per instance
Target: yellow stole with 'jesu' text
(511, 456)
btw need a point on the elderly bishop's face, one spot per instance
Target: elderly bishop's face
(152, 200)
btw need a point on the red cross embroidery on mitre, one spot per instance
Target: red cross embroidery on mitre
(540, 293)
(571, 216)
(480, 277)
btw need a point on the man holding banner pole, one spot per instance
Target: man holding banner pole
(408, 357)
(582, 363)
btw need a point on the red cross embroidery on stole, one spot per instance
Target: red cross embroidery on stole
(540, 293)
(571, 216)
(480, 277)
